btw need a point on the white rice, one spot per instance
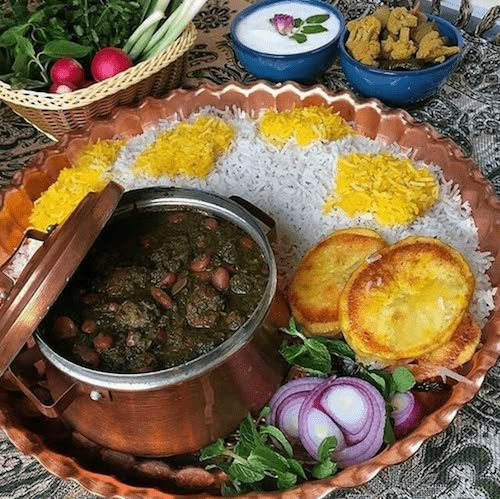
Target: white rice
(292, 183)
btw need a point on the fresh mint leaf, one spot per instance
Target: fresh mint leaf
(248, 433)
(244, 473)
(324, 469)
(298, 22)
(265, 459)
(328, 445)
(318, 19)
(212, 450)
(296, 467)
(228, 490)
(286, 480)
(312, 355)
(338, 347)
(310, 29)
(279, 436)
(63, 48)
(292, 352)
(299, 37)
(243, 449)
(319, 355)
(266, 410)
(403, 379)
(292, 329)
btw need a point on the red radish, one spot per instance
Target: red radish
(62, 88)
(86, 83)
(108, 62)
(67, 70)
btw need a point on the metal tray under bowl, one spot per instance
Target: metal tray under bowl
(104, 472)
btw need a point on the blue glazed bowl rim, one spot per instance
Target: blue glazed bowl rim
(251, 8)
(399, 72)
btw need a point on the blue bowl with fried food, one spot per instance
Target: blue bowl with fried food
(305, 67)
(402, 88)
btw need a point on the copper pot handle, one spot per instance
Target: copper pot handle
(53, 410)
(261, 216)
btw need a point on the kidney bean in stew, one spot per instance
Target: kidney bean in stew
(156, 290)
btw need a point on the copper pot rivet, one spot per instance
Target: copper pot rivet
(95, 395)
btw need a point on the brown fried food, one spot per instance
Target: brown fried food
(432, 47)
(421, 30)
(451, 355)
(407, 303)
(321, 275)
(401, 49)
(400, 18)
(363, 42)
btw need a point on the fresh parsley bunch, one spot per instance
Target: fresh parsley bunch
(31, 40)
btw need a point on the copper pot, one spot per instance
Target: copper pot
(181, 409)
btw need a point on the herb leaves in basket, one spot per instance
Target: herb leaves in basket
(30, 40)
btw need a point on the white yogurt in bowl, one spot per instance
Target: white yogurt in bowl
(256, 32)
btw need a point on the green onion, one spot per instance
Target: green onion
(172, 27)
(141, 36)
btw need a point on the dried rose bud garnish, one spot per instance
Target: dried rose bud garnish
(283, 23)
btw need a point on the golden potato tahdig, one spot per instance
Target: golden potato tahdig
(321, 275)
(453, 354)
(408, 302)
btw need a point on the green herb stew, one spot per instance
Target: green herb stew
(156, 290)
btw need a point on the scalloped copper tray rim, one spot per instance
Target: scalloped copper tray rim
(67, 468)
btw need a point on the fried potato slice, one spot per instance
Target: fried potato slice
(452, 355)
(407, 303)
(321, 275)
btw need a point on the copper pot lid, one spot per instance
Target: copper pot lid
(24, 303)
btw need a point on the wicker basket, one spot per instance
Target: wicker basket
(56, 114)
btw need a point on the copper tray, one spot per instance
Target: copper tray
(372, 119)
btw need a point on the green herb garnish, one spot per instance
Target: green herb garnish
(31, 40)
(263, 459)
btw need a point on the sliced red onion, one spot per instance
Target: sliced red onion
(296, 390)
(314, 424)
(367, 447)
(351, 433)
(314, 427)
(407, 413)
(287, 414)
(358, 439)
(347, 406)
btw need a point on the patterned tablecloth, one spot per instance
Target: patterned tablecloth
(464, 461)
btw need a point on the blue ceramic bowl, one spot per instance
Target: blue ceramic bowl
(303, 68)
(401, 88)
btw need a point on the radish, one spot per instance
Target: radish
(67, 70)
(108, 62)
(62, 88)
